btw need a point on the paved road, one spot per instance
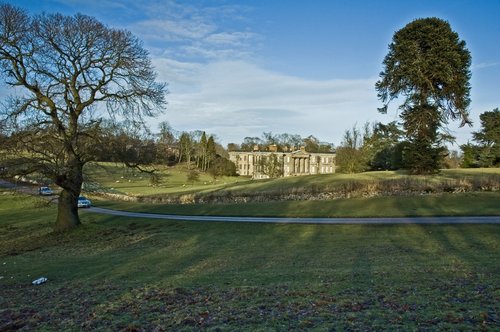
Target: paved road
(409, 220)
(6, 184)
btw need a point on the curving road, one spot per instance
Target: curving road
(367, 221)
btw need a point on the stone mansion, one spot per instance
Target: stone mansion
(292, 163)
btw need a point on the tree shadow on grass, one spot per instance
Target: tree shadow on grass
(185, 273)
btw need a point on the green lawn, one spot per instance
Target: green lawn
(326, 182)
(459, 204)
(132, 274)
(120, 179)
(441, 204)
(173, 180)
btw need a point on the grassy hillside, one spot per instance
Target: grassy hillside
(174, 182)
(459, 204)
(332, 181)
(371, 194)
(127, 274)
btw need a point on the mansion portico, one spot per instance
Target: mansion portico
(299, 162)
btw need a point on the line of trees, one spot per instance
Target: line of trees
(374, 147)
(127, 142)
(380, 146)
(203, 152)
(283, 142)
(486, 151)
(136, 147)
(428, 68)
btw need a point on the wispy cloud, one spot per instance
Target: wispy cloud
(196, 32)
(234, 99)
(230, 38)
(173, 29)
(178, 72)
(483, 65)
(185, 30)
(115, 4)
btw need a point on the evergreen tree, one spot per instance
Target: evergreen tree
(211, 152)
(428, 65)
(489, 138)
(383, 145)
(202, 156)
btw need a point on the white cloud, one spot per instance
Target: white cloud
(235, 99)
(173, 30)
(182, 74)
(211, 53)
(186, 31)
(94, 3)
(230, 38)
(483, 65)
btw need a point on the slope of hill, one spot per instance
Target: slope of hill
(118, 182)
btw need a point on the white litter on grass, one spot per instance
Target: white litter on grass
(39, 281)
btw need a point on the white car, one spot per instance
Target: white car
(45, 191)
(83, 202)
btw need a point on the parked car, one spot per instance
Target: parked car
(83, 202)
(45, 191)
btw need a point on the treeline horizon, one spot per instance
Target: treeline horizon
(380, 146)
(374, 146)
(283, 142)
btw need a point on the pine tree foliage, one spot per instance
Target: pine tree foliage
(429, 67)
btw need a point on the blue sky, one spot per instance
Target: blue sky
(239, 68)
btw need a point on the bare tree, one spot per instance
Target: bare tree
(350, 157)
(187, 146)
(71, 72)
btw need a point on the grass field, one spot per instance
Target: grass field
(132, 274)
(440, 204)
(375, 193)
(333, 181)
(460, 204)
(173, 180)
(123, 180)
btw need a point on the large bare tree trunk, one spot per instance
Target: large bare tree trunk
(67, 210)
